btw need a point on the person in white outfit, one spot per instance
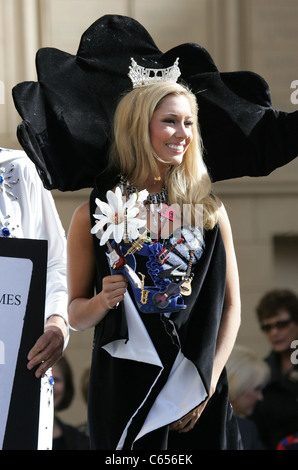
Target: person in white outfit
(27, 210)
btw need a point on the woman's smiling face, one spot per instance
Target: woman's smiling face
(171, 129)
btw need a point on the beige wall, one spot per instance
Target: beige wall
(257, 35)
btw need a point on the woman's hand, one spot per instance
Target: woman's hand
(85, 309)
(187, 422)
(113, 289)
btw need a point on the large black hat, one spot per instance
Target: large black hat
(67, 113)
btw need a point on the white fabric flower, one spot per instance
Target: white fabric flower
(113, 215)
(142, 195)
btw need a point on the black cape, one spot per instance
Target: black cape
(67, 113)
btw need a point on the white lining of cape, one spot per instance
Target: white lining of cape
(184, 389)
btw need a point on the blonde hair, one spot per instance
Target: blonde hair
(133, 156)
(245, 370)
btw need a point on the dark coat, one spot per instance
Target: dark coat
(277, 415)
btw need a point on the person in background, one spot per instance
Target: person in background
(277, 415)
(65, 436)
(27, 210)
(247, 375)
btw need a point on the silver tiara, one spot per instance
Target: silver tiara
(140, 76)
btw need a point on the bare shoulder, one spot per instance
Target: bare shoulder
(81, 221)
(83, 210)
(82, 213)
(224, 221)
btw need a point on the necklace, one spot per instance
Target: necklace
(156, 198)
(157, 203)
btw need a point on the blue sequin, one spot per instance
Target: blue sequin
(5, 232)
(51, 381)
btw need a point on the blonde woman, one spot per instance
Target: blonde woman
(247, 375)
(167, 306)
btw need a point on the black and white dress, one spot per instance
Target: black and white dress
(151, 367)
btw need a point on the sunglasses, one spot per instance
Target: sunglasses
(280, 325)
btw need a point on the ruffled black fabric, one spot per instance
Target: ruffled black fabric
(67, 113)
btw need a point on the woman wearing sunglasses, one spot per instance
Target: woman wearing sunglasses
(277, 415)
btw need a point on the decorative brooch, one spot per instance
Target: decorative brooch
(6, 185)
(118, 226)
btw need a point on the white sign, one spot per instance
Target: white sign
(14, 288)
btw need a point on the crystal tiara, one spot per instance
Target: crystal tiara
(140, 76)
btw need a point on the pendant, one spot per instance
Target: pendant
(116, 260)
(144, 292)
(162, 299)
(163, 256)
(168, 212)
(185, 288)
